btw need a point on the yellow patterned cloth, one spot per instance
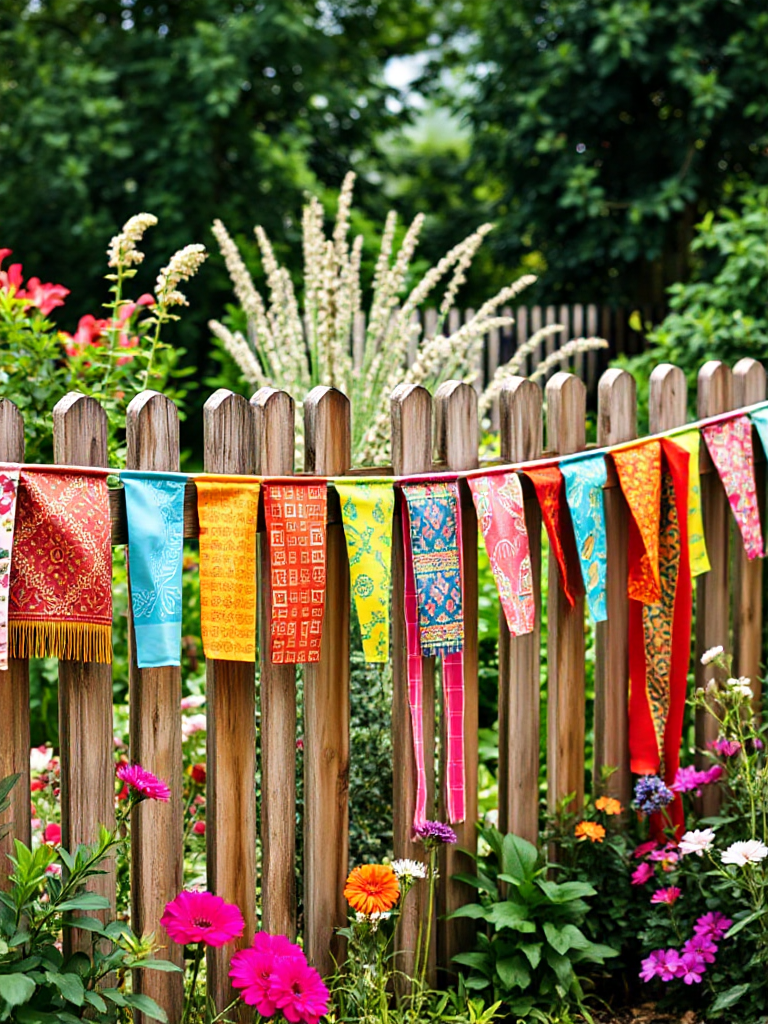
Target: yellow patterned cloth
(690, 440)
(227, 508)
(366, 511)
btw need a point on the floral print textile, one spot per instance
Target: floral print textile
(730, 446)
(584, 480)
(9, 487)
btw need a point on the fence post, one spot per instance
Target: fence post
(457, 437)
(749, 386)
(519, 657)
(157, 843)
(667, 398)
(14, 685)
(566, 416)
(85, 688)
(326, 699)
(712, 588)
(411, 418)
(616, 422)
(275, 428)
(229, 447)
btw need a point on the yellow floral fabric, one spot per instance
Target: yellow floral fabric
(690, 440)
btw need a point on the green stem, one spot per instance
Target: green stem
(430, 911)
(193, 985)
(153, 350)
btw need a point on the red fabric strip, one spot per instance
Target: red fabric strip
(550, 492)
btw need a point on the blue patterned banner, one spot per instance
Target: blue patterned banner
(584, 480)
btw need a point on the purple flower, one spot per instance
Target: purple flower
(726, 748)
(670, 965)
(651, 966)
(693, 968)
(703, 946)
(691, 779)
(651, 794)
(434, 832)
(757, 744)
(714, 925)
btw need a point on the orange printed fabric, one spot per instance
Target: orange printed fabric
(295, 516)
(61, 571)
(228, 509)
(639, 471)
(550, 492)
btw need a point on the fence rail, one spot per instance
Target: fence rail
(427, 431)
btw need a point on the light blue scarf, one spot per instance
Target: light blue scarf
(584, 479)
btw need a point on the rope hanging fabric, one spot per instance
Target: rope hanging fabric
(584, 480)
(228, 509)
(730, 447)
(9, 489)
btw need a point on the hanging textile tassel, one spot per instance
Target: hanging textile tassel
(9, 489)
(584, 478)
(550, 491)
(690, 440)
(499, 504)
(730, 446)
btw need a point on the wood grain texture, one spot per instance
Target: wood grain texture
(229, 447)
(667, 398)
(715, 394)
(157, 843)
(616, 422)
(14, 687)
(326, 702)
(275, 431)
(457, 446)
(85, 688)
(566, 416)
(749, 387)
(519, 657)
(411, 425)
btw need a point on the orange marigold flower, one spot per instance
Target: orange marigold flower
(372, 889)
(590, 830)
(608, 804)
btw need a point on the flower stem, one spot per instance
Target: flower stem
(430, 911)
(193, 985)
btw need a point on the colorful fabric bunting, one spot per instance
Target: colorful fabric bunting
(154, 504)
(730, 446)
(760, 422)
(690, 440)
(550, 491)
(499, 504)
(228, 509)
(295, 516)
(584, 480)
(639, 471)
(61, 571)
(366, 511)
(9, 489)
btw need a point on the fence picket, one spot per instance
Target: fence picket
(275, 424)
(229, 447)
(85, 688)
(157, 829)
(326, 700)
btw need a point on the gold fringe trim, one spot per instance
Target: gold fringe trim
(70, 641)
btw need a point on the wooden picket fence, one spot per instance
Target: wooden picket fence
(428, 433)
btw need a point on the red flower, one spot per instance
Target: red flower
(89, 334)
(37, 784)
(202, 917)
(52, 834)
(145, 783)
(45, 296)
(199, 828)
(197, 774)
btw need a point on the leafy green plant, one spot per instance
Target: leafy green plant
(534, 943)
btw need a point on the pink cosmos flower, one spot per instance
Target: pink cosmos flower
(668, 895)
(298, 991)
(202, 917)
(693, 968)
(703, 946)
(52, 834)
(726, 748)
(691, 779)
(670, 965)
(714, 924)
(652, 965)
(644, 849)
(642, 873)
(145, 783)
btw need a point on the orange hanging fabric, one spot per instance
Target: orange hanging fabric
(639, 471)
(550, 492)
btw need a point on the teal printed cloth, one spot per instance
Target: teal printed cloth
(760, 422)
(584, 479)
(154, 504)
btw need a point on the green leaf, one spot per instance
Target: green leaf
(6, 785)
(70, 986)
(513, 972)
(90, 924)
(729, 998)
(754, 916)
(532, 951)
(510, 915)
(16, 989)
(473, 910)
(555, 937)
(154, 965)
(147, 1006)
(518, 857)
(26, 1015)
(95, 1000)
(114, 995)
(562, 967)
(563, 892)
(85, 901)
(479, 961)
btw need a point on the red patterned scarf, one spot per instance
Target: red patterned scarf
(61, 573)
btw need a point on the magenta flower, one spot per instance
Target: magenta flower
(644, 849)
(642, 873)
(202, 917)
(298, 991)
(703, 946)
(691, 779)
(670, 966)
(667, 857)
(252, 973)
(277, 945)
(147, 785)
(693, 968)
(714, 925)
(652, 965)
(668, 895)
(725, 748)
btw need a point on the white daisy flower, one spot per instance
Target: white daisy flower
(751, 851)
(405, 868)
(698, 841)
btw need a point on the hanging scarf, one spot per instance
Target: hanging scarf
(228, 508)
(550, 492)
(585, 478)
(690, 440)
(660, 639)
(61, 573)
(366, 511)
(499, 504)
(760, 422)
(730, 446)
(433, 594)
(639, 471)
(295, 516)
(154, 506)
(9, 487)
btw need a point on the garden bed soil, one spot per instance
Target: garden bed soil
(645, 1014)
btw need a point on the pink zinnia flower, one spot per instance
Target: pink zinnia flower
(668, 895)
(251, 972)
(644, 849)
(642, 873)
(277, 945)
(202, 917)
(52, 834)
(703, 945)
(693, 968)
(144, 782)
(298, 991)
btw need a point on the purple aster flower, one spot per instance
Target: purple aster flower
(670, 965)
(651, 966)
(651, 794)
(757, 744)
(434, 832)
(726, 748)
(703, 946)
(714, 925)
(693, 968)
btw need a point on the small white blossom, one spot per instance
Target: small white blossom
(40, 758)
(191, 724)
(122, 247)
(709, 656)
(751, 851)
(741, 685)
(182, 265)
(194, 700)
(698, 841)
(409, 868)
